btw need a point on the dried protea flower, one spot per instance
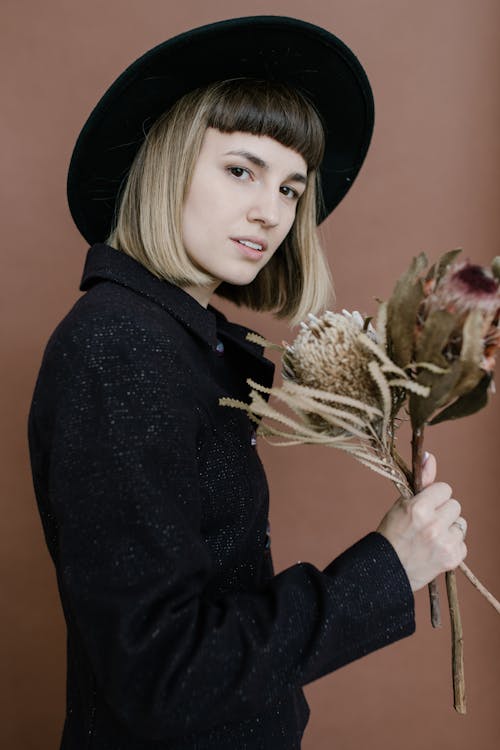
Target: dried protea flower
(445, 329)
(465, 288)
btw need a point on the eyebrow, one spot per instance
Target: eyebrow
(295, 177)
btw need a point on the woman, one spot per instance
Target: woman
(153, 498)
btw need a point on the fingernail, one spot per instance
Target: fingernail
(425, 458)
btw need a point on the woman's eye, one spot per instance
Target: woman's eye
(239, 171)
(290, 192)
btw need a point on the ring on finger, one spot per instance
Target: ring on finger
(462, 525)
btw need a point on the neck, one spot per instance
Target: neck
(201, 294)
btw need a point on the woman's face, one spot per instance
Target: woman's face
(240, 206)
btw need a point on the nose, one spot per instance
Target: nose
(265, 209)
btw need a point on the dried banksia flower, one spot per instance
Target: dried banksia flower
(329, 354)
(338, 355)
(341, 388)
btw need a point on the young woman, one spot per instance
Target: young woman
(153, 498)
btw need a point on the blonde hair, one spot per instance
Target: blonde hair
(148, 224)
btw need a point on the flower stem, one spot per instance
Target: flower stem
(417, 445)
(479, 586)
(434, 603)
(457, 644)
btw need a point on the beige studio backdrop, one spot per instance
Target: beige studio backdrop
(431, 182)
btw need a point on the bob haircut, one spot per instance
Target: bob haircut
(148, 225)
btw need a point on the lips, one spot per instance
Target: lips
(254, 243)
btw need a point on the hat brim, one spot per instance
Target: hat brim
(267, 47)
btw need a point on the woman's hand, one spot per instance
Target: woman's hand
(427, 530)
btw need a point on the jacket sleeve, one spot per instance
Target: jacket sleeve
(133, 568)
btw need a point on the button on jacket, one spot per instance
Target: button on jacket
(154, 505)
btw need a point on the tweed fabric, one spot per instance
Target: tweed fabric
(154, 504)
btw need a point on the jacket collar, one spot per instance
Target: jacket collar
(106, 263)
(209, 324)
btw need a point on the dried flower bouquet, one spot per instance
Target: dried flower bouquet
(430, 356)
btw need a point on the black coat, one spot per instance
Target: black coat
(154, 504)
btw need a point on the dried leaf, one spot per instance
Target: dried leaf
(461, 376)
(410, 385)
(402, 312)
(258, 386)
(312, 412)
(439, 268)
(441, 387)
(385, 393)
(428, 366)
(468, 404)
(293, 387)
(381, 325)
(434, 337)
(309, 408)
(473, 333)
(471, 355)
(379, 470)
(311, 404)
(256, 339)
(388, 364)
(236, 404)
(495, 267)
(261, 407)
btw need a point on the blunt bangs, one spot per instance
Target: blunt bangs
(269, 108)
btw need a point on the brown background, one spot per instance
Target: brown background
(431, 182)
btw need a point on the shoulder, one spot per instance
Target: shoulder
(111, 319)
(113, 333)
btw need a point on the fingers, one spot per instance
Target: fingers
(443, 530)
(448, 513)
(457, 551)
(440, 495)
(460, 526)
(429, 468)
(434, 510)
(427, 531)
(436, 518)
(433, 495)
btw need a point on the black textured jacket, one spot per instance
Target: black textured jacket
(154, 505)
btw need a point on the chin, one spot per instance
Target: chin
(243, 276)
(239, 280)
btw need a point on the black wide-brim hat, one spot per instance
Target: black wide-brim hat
(283, 49)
